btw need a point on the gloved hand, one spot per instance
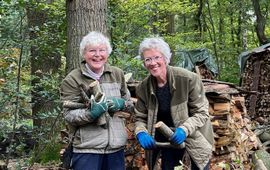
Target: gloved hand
(115, 104)
(179, 136)
(97, 108)
(146, 141)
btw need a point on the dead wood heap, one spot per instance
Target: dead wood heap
(134, 154)
(234, 139)
(256, 77)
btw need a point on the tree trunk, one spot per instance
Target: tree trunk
(239, 29)
(221, 25)
(213, 37)
(83, 16)
(198, 19)
(260, 25)
(42, 62)
(170, 27)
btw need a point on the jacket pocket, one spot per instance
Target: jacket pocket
(117, 133)
(180, 113)
(93, 136)
(199, 148)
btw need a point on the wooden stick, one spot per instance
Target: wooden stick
(73, 105)
(168, 145)
(122, 114)
(168, 133)
(95, 89)
(164, 129)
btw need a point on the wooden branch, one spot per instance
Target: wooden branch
(164, 129)
(167, 132)
(122, 114)
(95, 89)
(85, 93)
(168, 145)
(73, 105)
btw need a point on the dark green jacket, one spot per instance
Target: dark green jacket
(189, 110)
(90, 137)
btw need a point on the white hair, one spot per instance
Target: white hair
(94, 38)
(156, 43)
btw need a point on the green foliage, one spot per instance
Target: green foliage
(51, 152)
(222, 31)
(231, 74)
(9, 82)
(16, 90)
(130, 65)
(224, 27)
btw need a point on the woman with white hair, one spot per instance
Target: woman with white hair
(96, 146)
(176, 97)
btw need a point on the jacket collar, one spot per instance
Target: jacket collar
(170, 79)
(83, 68)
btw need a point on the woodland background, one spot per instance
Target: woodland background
(39, 42)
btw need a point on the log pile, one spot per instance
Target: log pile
(204, 73)
(256, 78)
(234, 139)
(134, 154)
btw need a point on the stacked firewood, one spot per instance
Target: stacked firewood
(203, 71)
(134, 154)
(234, 138)
(256, 78)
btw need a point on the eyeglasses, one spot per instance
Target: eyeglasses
(150, 59)
(95, 51)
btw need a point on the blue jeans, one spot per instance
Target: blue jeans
(91, 161)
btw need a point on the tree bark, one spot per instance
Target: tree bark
(171, 26)
(198, 19)
(83, 16)
(260, 25)
(42, 62)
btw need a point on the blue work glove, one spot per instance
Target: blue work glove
(97, 108)
(115, 104)
(146, 141)
(179, 136)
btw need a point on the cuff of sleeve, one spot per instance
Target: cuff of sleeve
(88, 115)
(185, 129)
(140, 129)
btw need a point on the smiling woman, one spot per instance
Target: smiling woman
(99, 133)
(176, 97)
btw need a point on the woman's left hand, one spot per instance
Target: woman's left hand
(179, 136)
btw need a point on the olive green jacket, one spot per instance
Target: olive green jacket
(90, 137)
(189, 110)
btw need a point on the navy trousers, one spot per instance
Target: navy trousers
(91, 161)
(170, 158)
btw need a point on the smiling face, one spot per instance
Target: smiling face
(155, 63)
(96, 56)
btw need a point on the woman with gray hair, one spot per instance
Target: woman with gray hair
(98, 143)
(176, 97)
